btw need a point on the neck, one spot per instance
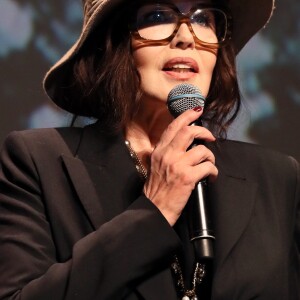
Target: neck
(145, 130)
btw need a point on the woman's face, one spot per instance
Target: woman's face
(162, 67)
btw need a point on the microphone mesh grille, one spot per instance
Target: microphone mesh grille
(183, 97)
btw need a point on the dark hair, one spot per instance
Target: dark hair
(224, 100)
(107, 83)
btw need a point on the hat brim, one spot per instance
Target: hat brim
(248, 18)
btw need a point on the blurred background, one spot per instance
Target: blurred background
(34, 34)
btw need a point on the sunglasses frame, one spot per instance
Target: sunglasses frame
(183, 18)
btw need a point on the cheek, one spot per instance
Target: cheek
(209, 60)
(142, 55)
(146, 57)
(146, 62)
(142, 63)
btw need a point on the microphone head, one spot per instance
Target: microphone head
(183, 97)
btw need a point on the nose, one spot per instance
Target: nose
(184, 38)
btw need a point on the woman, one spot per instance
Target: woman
(99, 212)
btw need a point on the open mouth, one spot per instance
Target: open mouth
(181, 65)
(180, 68)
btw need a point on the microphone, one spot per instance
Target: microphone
(181, 98)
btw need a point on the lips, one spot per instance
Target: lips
(181, 65)
(181, 68)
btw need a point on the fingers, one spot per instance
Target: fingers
(172, 150)
(199, 154)
(186, 135)
(206, 170)
(191, 166)
(183, 120)
(180, 135)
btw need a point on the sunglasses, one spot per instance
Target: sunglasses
(159, 22)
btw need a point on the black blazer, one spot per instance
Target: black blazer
(74, 225)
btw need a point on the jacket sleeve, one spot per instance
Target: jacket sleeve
(103, 263)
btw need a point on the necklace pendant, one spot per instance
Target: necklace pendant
(185, 297)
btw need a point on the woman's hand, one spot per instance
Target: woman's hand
(174, 171)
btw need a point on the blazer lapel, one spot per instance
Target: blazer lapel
(102, 173)
(233, 199)
(85, 189)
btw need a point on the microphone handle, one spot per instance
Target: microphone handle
(200, 227)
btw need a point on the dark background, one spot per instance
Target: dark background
(34, 34)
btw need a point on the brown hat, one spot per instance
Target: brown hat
(249, 16)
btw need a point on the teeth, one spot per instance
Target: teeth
(181, 66)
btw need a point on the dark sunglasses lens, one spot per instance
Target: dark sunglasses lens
(155, 22)
(209, 25)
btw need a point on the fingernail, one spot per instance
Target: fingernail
(198, 108)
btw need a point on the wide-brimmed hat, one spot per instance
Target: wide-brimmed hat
(248, 17)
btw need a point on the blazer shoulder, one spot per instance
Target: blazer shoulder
(250, 150)
(64, 139)
(255, 159)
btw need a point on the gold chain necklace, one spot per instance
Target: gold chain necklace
(138, 164)
(199, 271)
